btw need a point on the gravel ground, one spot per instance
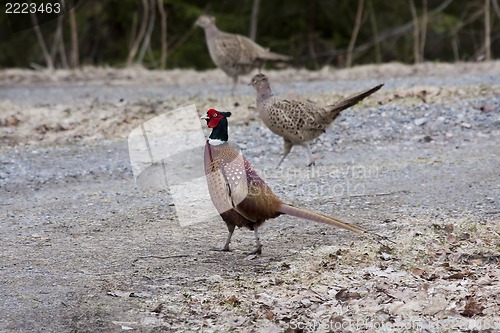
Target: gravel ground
(85, 250)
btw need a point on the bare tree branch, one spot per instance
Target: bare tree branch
(373, 21)
(487, 30)
(355, 31)
(62, 54)
(254, 19)
(75, 58)
(57, 38)
(133, 31)
(187, 34)
(386, 34)
(416, 32)
(454, 45)
(496, 7)
(147, 36)
(164, 45)
(423, 29)
(140, 35)
(41, 41)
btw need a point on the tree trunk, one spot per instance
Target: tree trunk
(133, 31)
(147, 36)
(41, 41)
(61, 46)
(164, 45)
(376, 39)
(57, 38)
(62, 54)
(75, 58)
(423, 30)
(310, 34)
(454, 45)
(140, 36)
(354, 35)
(496, 7)
(416, 33)
(487, 30)
(398, 31)
(254, 19)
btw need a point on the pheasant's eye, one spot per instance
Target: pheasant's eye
(215, 114)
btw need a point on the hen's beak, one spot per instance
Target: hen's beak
(205, 117)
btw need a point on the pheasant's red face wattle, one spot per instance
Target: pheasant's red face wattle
(214, 118)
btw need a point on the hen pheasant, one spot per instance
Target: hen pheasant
(298, 121)
(234, 54)
(240, 196)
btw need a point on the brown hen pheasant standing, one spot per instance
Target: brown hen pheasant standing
(234, 54)
(240, 196)
(298, 121)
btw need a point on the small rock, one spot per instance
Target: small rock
(466, 125)
(216, 278)
(306, 302)
(420, 121)
(385, 256)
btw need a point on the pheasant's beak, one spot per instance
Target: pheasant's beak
(205, 117)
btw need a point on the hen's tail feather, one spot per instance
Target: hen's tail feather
(352, 100)
(272, 56)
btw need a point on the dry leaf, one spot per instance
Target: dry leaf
(159, 308)
(343, 295)
(458, 275)
(233, 301)
(10, 121)
(472, 307)
(451, 238)
(418, 272)
(269, 315)
(464, 236)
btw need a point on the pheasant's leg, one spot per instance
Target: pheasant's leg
(235, 82)
(258, 248)
(287, 147)
(230, 228)
(261, 64)
(310, 156)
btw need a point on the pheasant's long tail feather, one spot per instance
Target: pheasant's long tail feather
(352, 100)
(315, 217)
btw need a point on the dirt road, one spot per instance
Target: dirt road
(84, 250)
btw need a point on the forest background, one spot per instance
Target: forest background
(160, 34)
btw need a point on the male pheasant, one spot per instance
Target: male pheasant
(234, 54)
(240, 196)
(298, 121)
